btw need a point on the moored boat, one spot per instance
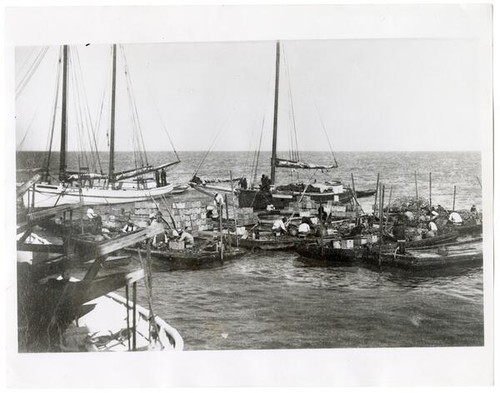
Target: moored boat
(443, 238)
(88, 183)
(470, 254)
(190, 259)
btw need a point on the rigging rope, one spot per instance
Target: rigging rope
(91, 134)
(31, 71)
(133, 104)
(205, 155)
(255, 162)
(326, 133)
(295, 149)
(77, 108)
(163, 125)
(20, 145)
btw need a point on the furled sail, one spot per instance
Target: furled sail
(283, 163)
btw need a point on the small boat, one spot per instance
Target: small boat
(315, 254)
(190, 258)
(470, 254)
(273, 243)
(365, 193)
(469, 229)
(180, 189)
(111, 334)
(443, 238)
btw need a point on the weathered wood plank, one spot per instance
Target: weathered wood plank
(52, 211)
(51, 248)
(95, 250)
(26, 185)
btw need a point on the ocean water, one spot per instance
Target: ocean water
(271, 300)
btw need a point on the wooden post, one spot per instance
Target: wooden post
(430, 189)
(454, 195)
(356, 204)
(221, 236)
(234, 209)
(81, 208)
(381, 220)
(227, 217)
(128, 316)
(134, 316)
(389, 205)
(416, 186)
(376, 194)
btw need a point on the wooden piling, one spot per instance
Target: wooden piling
(376, 194)
(234, 209)
(381, 220)
(430, 189)
(416, 186)
(134, 316)
(454, 196)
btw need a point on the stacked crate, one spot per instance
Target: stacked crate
(113, 217)
(306, 206)
(191, 215)
(244, 215)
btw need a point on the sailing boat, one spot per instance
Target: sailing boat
(279, 195)
(83, 186)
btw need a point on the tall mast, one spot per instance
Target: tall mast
(275, 121)
(64, 117)
(112, 128)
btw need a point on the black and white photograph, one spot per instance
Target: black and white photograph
(240, 191)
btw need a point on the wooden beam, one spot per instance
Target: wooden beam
(97, 250)
(26, 185)
(52, 211)
(50, 248)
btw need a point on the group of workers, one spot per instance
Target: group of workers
(181, 235)
(279, 227)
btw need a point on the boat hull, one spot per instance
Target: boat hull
(282, 243)
(426, 260)
(189, 260)
(444, 238)
(315, 255)
(106, 330)
(46, 195)
(259, 200)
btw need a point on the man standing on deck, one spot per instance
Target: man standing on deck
(163, 176)
(157, 178)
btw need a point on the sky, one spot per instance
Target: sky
(365, 94)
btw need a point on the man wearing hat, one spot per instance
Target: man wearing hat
(154, 222)
(95, 222)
